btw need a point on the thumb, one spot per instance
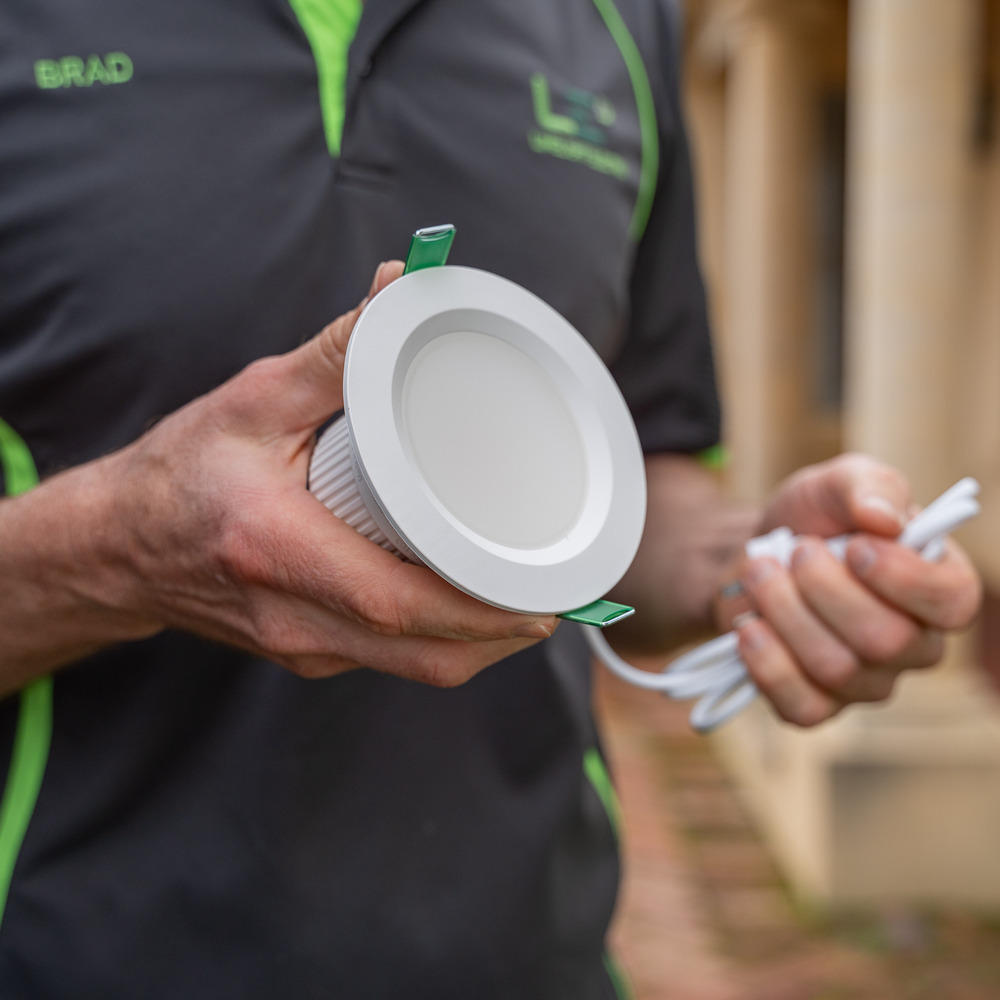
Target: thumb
(852, 492)
(878, 498)
(385, 274)
(315, 371)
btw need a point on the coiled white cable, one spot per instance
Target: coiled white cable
(714, 673)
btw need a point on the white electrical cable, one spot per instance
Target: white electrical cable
(714, 673)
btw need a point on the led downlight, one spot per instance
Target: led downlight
(484, 437)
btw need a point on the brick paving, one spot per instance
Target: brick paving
(704, 914)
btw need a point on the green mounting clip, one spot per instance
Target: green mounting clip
(600, 614)
(429, 248)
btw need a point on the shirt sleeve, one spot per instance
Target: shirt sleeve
(666, 368)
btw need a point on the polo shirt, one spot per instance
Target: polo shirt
(184, 188)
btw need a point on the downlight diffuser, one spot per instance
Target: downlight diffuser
(483, 437)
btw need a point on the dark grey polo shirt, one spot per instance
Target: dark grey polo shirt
(209, 825)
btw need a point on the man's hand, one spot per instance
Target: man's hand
(823, 633)
(205, 524)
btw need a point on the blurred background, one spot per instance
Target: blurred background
(847, 156)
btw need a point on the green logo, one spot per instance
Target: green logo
(73, 71)
(577, 131)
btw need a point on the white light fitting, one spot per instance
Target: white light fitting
(484, 437)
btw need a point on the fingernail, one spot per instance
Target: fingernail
(804, 551)
(861, 556)
(759, 570)
(884, 507)
(533, 630)
(752, 635)
(744, 619)
(378, 271)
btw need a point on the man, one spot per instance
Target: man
(191, 188)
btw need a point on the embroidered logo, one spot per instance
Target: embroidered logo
(578, 131)
(74, 71)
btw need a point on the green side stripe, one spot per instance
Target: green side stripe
(619, 980)
(715, 458)
(597, 774)
(18, 466)
(33, 735)
(647, 114)
(330, 26)
(32, 740)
